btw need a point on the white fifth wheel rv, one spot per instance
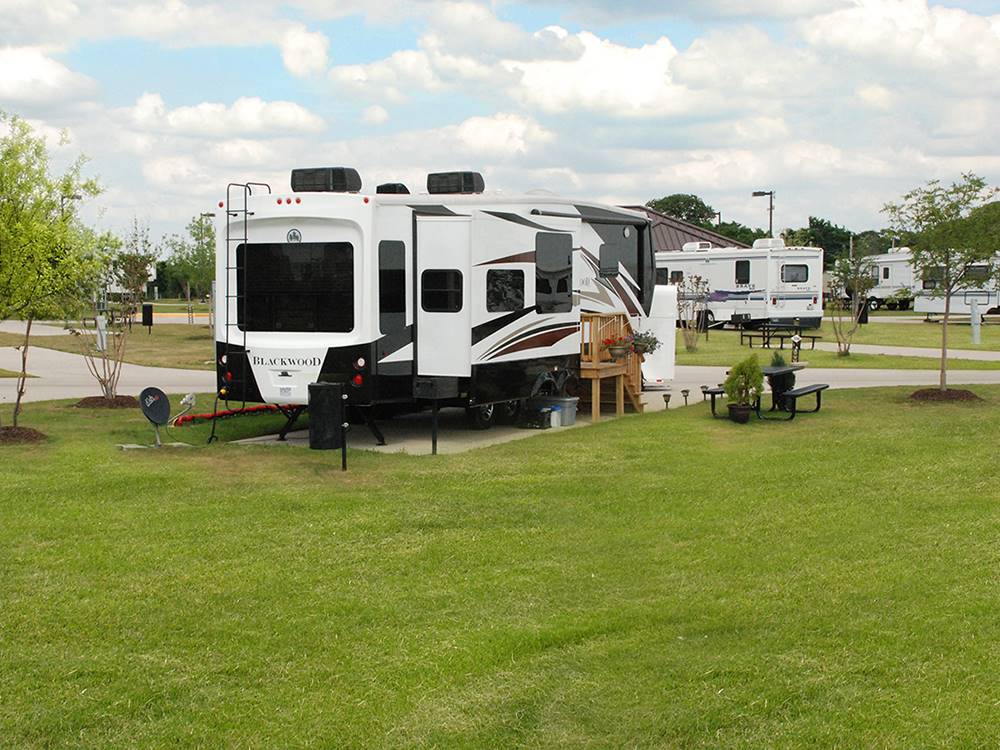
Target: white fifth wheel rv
(469, 298)
(767, 283)
(894, 281)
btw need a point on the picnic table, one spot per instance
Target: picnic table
(782, 399)
(780, 332)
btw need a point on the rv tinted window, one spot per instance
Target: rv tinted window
(504, 290)
(662, 276)
(885, 272)
(742, 272)
(676, 277)
(441, 291)
(296, 286)
(609, 255)
(932, 276)
(977, 273)
(391, 281)
(795, 274)
(553, 272)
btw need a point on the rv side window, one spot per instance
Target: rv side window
(977, 273)
(504, 290)
(795, 274)
(742, 272)
(296, 286)
(391, 281)
(676, 277)
(662, 276)
(441, 290)
(553, 272)
(885, 272)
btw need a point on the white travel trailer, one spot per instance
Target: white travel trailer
(894, 281)
(469, 298)
(982, 289)
(767, 283)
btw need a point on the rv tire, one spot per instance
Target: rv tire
(874, 304)
(481, 417)
(510, 411)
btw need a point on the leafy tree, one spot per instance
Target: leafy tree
(686, 207)
(192, 258)
(953, 229)
(739, 232)
(835, 240)
(46, 254)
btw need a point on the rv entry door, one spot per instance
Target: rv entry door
(443, 314)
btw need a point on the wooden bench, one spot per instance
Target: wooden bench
(790, 399)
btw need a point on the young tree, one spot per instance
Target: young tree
(692, 303)
(952, 231)
(45, 252)
(850, 281)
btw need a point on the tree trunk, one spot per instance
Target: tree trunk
(944, 343)
(22, 378)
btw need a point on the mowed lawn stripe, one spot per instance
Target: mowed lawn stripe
(664, 580)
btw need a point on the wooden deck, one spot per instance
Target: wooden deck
(597, 365)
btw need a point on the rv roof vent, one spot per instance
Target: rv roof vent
(766, 243)
(326, 180)
(696, 247)
(393, 187)
(455, 182)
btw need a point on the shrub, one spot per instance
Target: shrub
(745, 382)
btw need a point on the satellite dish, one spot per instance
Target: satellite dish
(156, 408)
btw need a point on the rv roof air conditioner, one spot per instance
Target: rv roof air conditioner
(393, 188)
(696, 247)
(768, 243)
(455, 182)
(326, 180)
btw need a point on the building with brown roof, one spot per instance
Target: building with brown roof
(671, 234)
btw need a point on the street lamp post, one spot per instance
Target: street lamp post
(770, 208)
(718, 219)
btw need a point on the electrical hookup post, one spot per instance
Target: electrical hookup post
(975, 320)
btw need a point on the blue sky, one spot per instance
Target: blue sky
(837, 105)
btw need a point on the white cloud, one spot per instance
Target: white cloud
(32, 77)
(304, 52)
(875, 96)
(393, 78)
(246, 115)
(501, 135)
(375, 115)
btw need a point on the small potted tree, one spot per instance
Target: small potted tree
(744, 385)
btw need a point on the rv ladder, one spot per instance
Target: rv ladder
(237, 207)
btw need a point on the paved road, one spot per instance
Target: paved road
(915, 351)
(63, 375)
(37, 329)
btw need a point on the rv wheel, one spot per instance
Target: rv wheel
(481, 417)
(510, 411)
(874, 304)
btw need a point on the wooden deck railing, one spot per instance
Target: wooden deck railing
(596, 328)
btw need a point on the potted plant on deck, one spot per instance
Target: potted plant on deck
(618, 346)
(645, 341)
(744, 385)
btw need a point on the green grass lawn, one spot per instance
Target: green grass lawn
(922, 334)
(665, 580)
(178, 305)
(723, 348)
(165, 345)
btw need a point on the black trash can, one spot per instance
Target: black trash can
(863, 317)
(326, 415)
